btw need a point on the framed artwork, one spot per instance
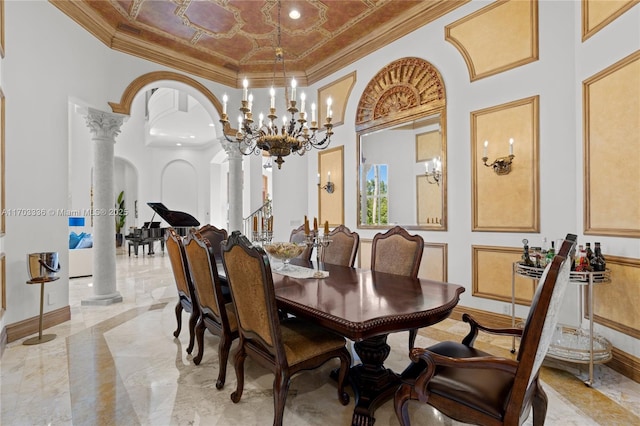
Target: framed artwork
(339, 92)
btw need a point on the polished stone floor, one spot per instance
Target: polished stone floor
(121, 365)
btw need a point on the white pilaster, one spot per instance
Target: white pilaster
(235, 186)
(104, 127)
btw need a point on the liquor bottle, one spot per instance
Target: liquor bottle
(536, 256)
(551, 253)
(583, 263)
(589, 252)
(526, 259)
(598, 263)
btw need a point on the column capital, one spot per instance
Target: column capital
(232, 149)
(104, 124)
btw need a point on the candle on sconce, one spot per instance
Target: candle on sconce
(245, 85)
(294, 83)
(272, 92)
(225, 98)
(329, 112)
(260, 119)
(240, 122)
(318, 178)
(326, 227)
(328, 177)
(250, 101)
(302, 98)
(313, 112)
(511, 146)
(484, 152)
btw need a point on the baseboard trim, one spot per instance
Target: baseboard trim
(29, 326)
(622, 362)
(3, 341)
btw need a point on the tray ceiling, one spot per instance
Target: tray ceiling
(226, 40)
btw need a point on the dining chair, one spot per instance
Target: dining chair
(216, 236)
(216, 315)
(284, 346)
(398, 252)
(343, 247)
(186, 292)
(298, 236)
(472, 386)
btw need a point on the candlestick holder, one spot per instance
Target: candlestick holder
(318, 242)
(262, 237)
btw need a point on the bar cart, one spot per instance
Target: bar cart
(570, 344)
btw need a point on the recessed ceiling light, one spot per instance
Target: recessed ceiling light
(178, 144)
(294, 14)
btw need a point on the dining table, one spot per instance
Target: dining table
(365, 306)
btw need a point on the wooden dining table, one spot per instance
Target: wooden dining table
(365, 306)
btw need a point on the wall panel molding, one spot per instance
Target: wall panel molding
(496, 38)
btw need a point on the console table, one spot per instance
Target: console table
(571, 344)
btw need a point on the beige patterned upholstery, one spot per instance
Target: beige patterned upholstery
(489, 390)
(177, 256)
(216, 315)
(298, 236)
(287, 346)
(343, 247)
(398, 252)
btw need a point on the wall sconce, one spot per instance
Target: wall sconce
(501, 165)
(330, 186)
(433, 171)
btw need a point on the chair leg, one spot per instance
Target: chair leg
(193, 320)
(345, 364)
(539, 405)
(200, 327)
(239, 366)
(280, 390)
(403, 395)
(223, 356)
(413, 333)
(178, 319)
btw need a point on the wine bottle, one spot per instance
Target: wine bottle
(598, 263)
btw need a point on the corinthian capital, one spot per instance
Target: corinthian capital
(104, 124)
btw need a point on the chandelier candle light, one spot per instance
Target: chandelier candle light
(294, 136)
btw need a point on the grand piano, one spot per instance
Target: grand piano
(152, 232)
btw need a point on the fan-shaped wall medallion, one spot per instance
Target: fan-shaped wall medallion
(399, 92)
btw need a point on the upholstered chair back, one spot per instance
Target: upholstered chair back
(177, 256)
(397, 252)
(343, 247)
(298, 236)
(249, 276)
(204, 273)
(215, 236)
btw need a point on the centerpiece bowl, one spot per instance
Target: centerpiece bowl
(284, 252)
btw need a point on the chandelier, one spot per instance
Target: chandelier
(295, 135)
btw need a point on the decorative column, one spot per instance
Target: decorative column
(104, 127)
(235, 186)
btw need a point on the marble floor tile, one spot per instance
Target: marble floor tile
(121, 365)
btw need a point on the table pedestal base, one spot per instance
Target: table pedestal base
(40, 338)
(372, 383)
